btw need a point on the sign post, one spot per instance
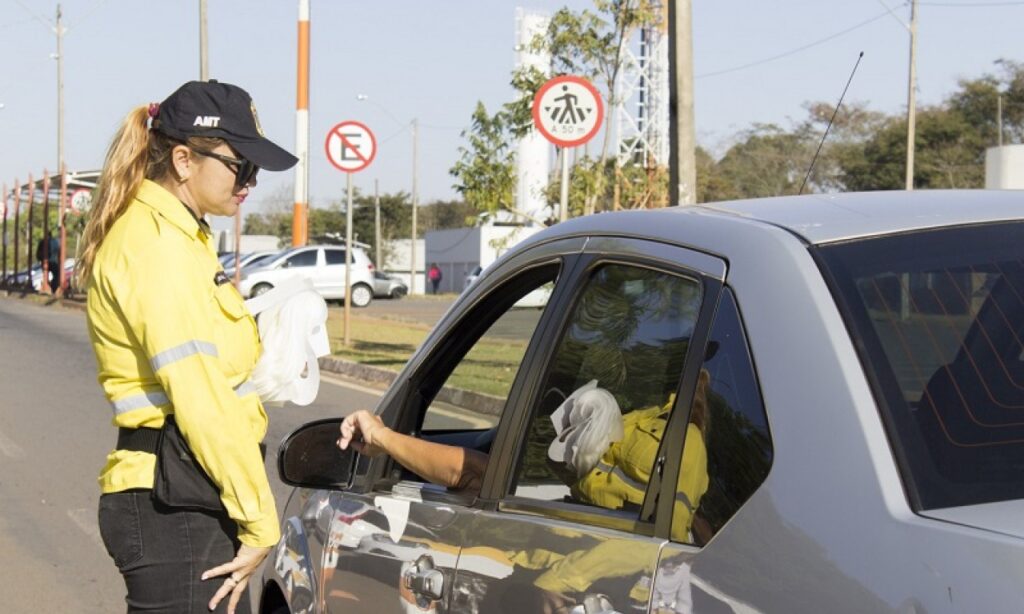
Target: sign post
(568, 111)
(350, 147)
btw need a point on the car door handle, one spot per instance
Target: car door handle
(423, 579)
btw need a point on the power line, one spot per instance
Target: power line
(15, 23)
(49, 24)
(796, 50)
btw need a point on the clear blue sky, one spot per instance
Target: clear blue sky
(433, 60)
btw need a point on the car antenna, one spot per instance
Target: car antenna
(839, 104)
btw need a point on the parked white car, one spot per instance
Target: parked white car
(324, 265)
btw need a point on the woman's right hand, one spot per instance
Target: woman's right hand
(241, 568)
(362, 430)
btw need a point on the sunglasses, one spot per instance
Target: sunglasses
(244, 170)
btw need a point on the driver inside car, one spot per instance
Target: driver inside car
(611, 454)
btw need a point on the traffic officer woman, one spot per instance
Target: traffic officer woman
(173, 338)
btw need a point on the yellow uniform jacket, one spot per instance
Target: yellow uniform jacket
(169, 339)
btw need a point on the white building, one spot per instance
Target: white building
(533, 152)
(1004, 168)
(459, 251)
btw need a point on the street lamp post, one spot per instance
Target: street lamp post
(414, 124)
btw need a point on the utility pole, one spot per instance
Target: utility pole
(415, 205)
(59, 29)
(376, 225)
(204, 60)
(300, 210)
(999, 118)
(912, 96)
(682, 157)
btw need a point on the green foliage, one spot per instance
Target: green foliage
(586, 43)
(867, 150)
(485, 171)
(768, 161)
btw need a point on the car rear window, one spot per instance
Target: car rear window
(938, 317)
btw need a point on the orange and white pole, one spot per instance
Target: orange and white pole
(300, 213)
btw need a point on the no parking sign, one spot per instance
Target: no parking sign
(350, 146)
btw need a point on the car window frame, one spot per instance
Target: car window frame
(403, 405)
(707, 270)
(286, 261)
(341, 250)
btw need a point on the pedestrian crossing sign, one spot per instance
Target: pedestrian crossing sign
(568, 111)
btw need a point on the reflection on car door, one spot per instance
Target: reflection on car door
(395, 548)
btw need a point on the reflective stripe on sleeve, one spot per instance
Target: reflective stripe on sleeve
(138, 401)
(154, 399)
(184, 350)
(619, 473)
(245, 388)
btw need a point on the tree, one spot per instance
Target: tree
(768, 161)
(485, 172)
(586, 43)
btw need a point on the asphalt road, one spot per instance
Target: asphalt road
(55, 432)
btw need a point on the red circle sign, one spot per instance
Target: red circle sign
(350, 146)
(568, 111)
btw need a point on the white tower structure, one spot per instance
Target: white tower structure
(641, 112)
(533, 152)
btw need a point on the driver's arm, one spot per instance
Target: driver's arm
(450, 466)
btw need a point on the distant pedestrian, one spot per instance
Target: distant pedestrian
(48, 255)
(187, 512)
(434, 275)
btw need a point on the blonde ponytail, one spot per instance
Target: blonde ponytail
(136, 153)
(123, 171)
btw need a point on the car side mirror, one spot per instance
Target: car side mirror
(309, 457)
(286, 264)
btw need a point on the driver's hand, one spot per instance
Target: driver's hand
(362, 430)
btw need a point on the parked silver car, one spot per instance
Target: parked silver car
(324, 265)
(822, 404)
(388, 286)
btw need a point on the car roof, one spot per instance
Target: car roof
(823, 218)
(814, 218)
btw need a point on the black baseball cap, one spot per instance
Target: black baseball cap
(220, 110)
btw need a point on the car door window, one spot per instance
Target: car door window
(302, 259)
(473, 395)
(609, 389)
(335, 256)
(728, 449)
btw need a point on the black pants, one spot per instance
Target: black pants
(54, 276)
(161, 552)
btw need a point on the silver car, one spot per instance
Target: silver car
(387, 286)
(823, 409)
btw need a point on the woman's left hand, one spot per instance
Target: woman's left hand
(241, 568)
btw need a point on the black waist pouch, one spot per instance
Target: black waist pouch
(180, 480)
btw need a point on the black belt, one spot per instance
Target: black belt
(138, 440)
(145, 440)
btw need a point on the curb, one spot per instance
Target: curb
(472, 401)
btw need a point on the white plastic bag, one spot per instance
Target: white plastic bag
(293, 332)
(586, 424)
